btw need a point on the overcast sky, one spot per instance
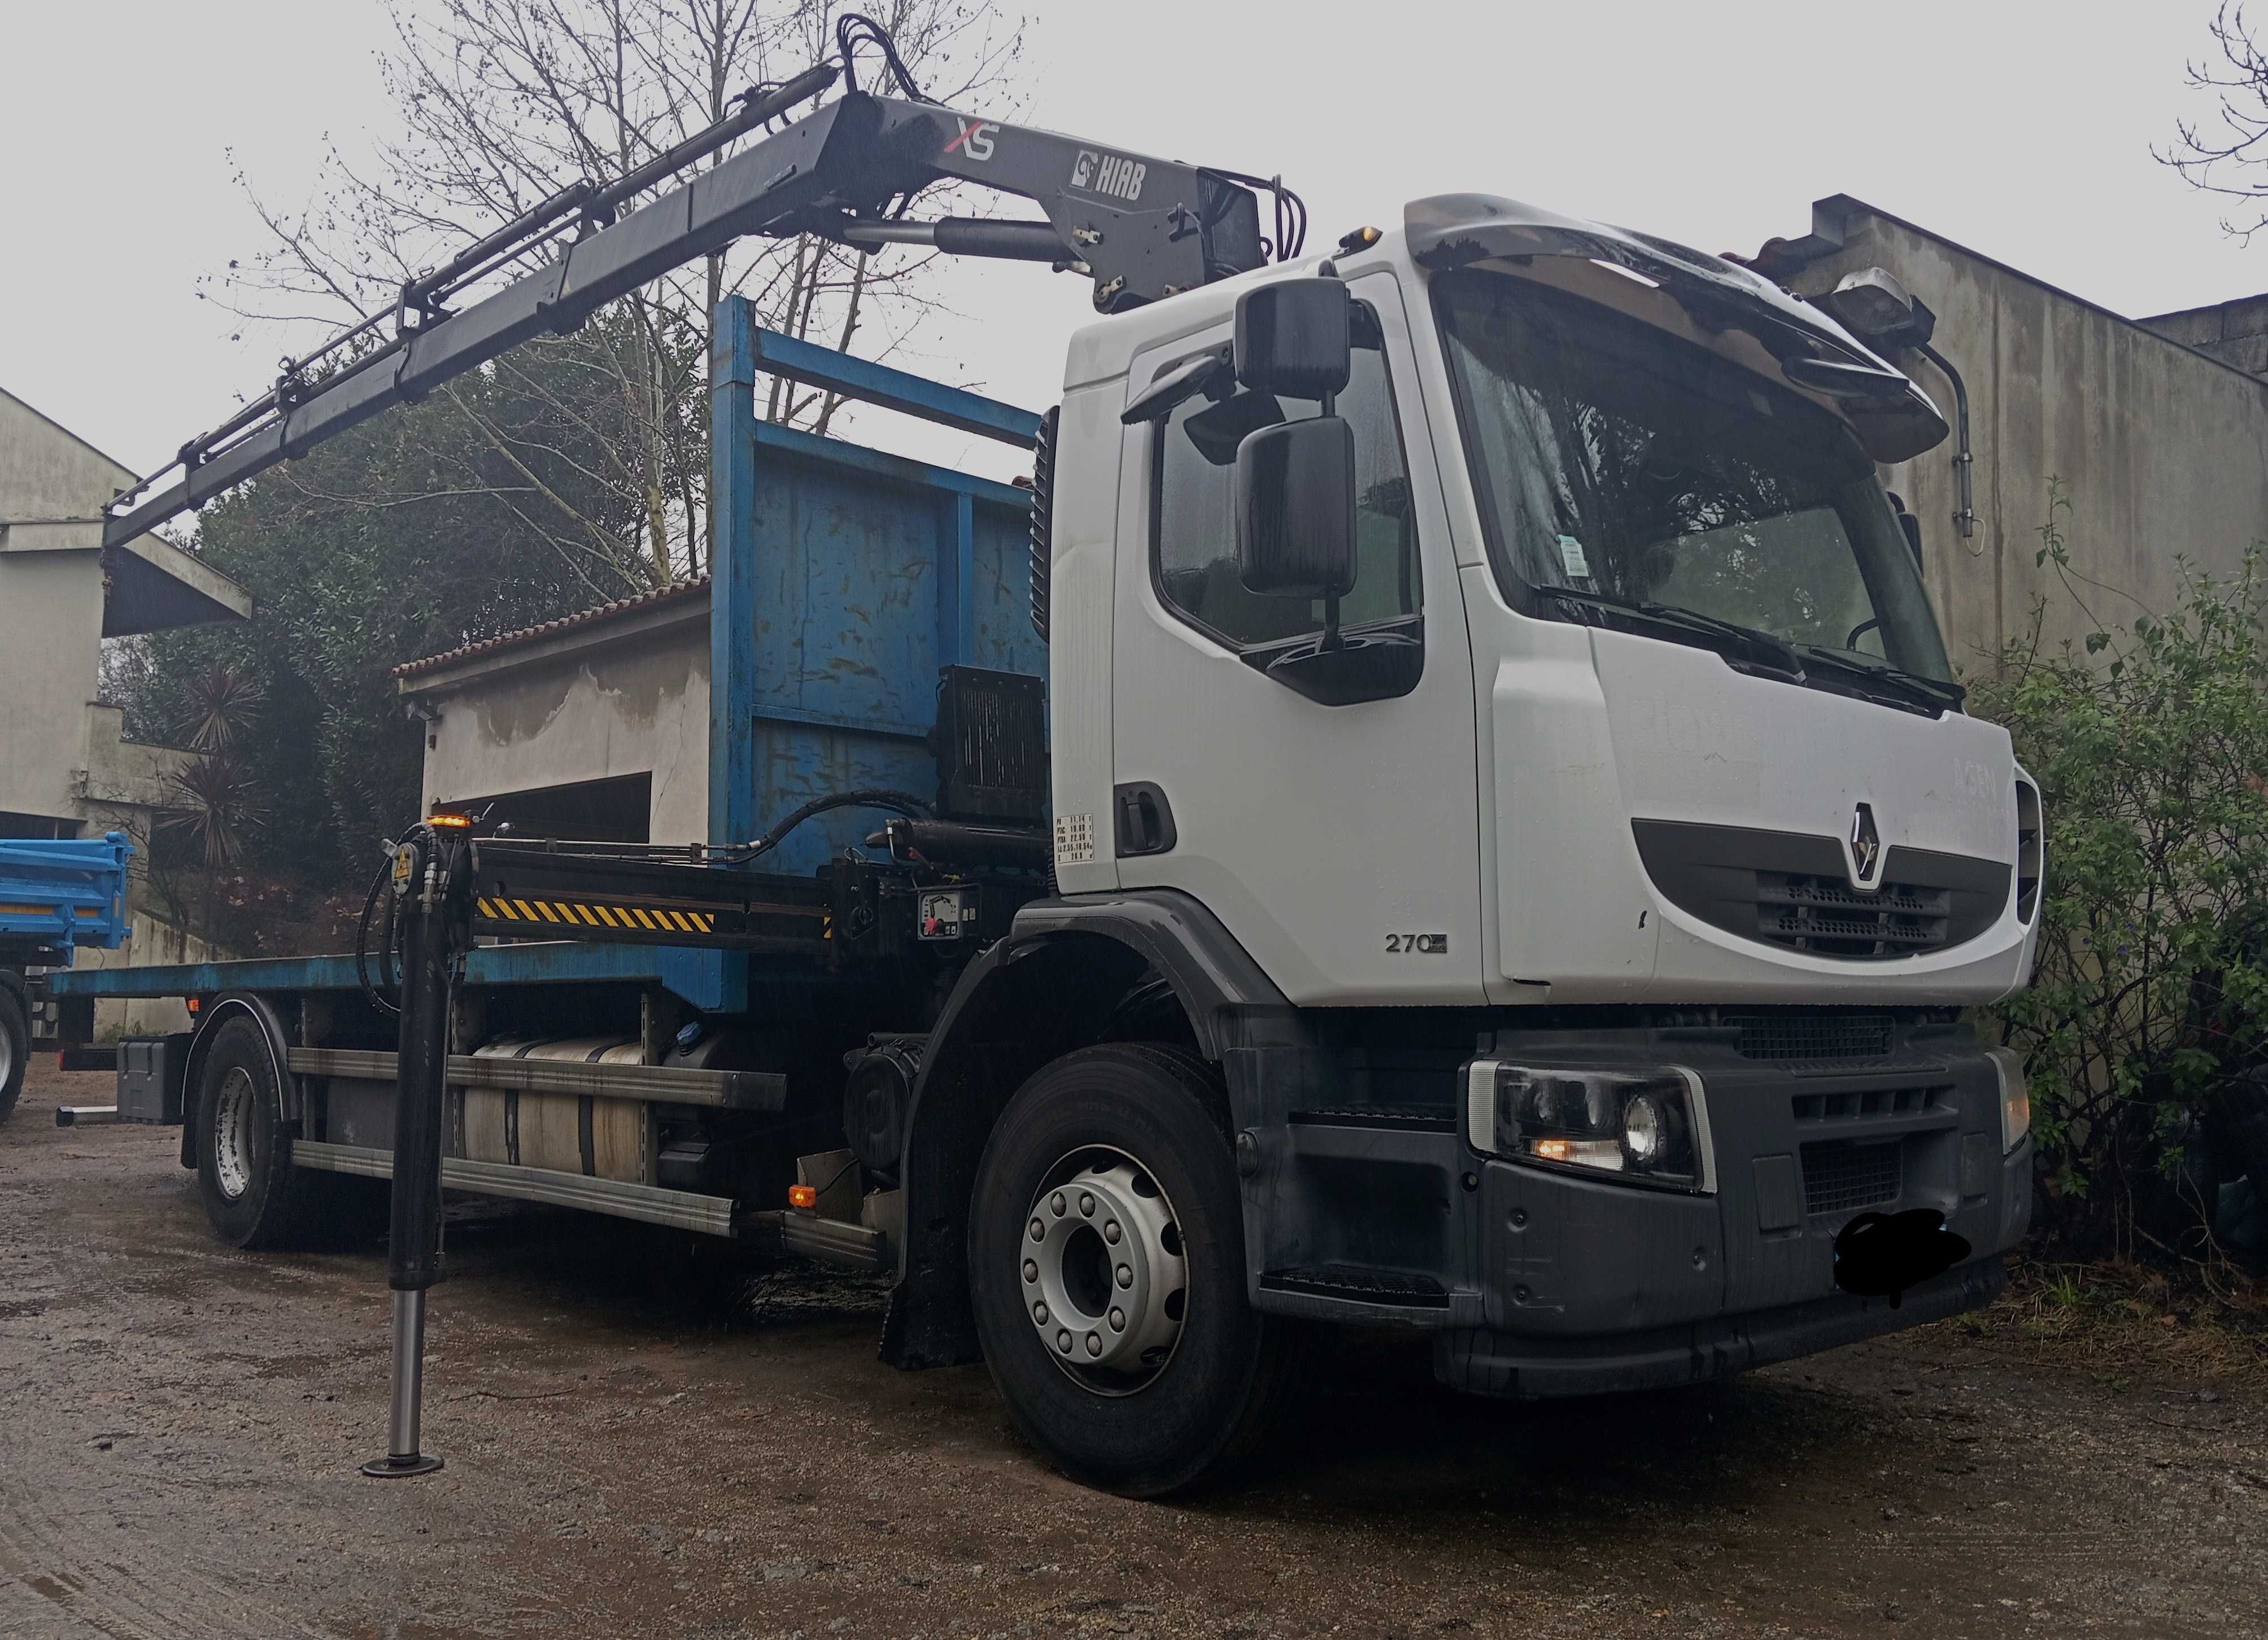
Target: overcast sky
(2022, 130)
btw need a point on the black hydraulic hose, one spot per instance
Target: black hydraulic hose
(378, 885)
(900, 802)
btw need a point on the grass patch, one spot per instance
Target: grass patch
(2118, 1323)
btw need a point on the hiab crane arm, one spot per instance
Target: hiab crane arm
(1141, 228)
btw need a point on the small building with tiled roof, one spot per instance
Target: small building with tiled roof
(594, 726)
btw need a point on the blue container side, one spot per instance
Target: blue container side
(65, 891)
(845, 578)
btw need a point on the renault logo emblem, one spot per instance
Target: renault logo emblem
(1866, 846)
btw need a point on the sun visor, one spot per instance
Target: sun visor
(1895, 424)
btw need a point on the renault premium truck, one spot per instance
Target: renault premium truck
(1476, 835)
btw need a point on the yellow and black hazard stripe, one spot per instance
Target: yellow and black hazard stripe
(582, 914)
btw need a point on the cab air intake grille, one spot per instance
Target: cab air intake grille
(1794, 889)
(1827, 916)
(1812, 1036)
(1841, 1177)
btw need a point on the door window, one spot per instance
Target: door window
(1194, 548)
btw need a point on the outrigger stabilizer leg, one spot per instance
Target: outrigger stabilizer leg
(430, 879)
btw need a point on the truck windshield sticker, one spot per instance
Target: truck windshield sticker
(1074, 840)
(1571, 555)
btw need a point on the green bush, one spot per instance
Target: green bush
(2148, 1070)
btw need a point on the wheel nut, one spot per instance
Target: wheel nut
(1126, 1276)
(1040, 1314)
(1031, 1269)
(1094, 1345)
(1056, 1205)
(1111, 1233)
(1086, 1204)
(1118, 1321)
(1063, 1342)
(1039, 1231)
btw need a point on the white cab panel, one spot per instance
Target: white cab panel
(1323, 837)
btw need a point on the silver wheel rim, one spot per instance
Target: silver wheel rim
(232, 1133)
(7, 1058)
(1103, 1271)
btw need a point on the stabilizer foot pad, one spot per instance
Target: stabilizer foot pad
(391, 1468)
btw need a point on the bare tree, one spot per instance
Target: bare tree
(2225, 155)
(504, 102)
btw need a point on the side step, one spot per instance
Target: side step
(835, 1241)
(1365, 1286)
(680, 1210)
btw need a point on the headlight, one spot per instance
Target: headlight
(1648, 1126)
(2015, 1097)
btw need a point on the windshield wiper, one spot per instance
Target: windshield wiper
(1936, 691)
(1783, 657)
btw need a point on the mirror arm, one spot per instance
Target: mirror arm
(1331, 638)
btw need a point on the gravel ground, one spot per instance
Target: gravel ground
(646, 1440)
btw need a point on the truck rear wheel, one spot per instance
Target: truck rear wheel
(1107, 1268)
(15, 1048)
(253, 1195)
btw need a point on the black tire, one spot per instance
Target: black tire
(15, 1048)
(253, 1195)
(1210, 1408)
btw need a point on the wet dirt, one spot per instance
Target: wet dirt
(644, 1438)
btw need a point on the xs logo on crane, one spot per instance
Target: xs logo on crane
(1109, 173)
(975, 139)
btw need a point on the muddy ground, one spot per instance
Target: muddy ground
(644, 1441)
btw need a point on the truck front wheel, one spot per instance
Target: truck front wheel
(15, 1048)
(1107, 1269)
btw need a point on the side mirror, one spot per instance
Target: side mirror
(1295, 338)
(1295, 510)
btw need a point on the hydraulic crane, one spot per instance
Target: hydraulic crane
(1142, 228)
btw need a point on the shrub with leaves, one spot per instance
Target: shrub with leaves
(2148, 1066)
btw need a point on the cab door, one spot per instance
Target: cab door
(1338, 844)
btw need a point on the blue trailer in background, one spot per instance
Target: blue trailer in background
(55, 895)
(874, 661)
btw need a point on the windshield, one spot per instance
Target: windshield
(1618, 465)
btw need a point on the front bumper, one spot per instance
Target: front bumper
(1526, 1366)
(1553, 1280)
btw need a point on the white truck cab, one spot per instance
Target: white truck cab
(1576, 466)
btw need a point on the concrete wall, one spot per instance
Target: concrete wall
(2162, 451)
(50, 666)
(153, 941)
(2235, 333)
(593, 707)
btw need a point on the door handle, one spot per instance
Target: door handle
(1145, 819)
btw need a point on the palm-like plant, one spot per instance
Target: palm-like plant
(217, 804)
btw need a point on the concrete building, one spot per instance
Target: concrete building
(2155, 430)
(593, 726)
(65, 769)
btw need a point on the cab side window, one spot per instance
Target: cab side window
(1194, 544)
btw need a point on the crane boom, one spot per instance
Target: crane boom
(1142, 228)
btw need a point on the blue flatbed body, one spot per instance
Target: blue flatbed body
(699, 976)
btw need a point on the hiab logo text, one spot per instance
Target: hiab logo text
(1109, 173)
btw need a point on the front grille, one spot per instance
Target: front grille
(1828, 917)
(1792, 889)
(1812, 1036)
(1861, 1104)
(1840, 1176)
